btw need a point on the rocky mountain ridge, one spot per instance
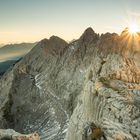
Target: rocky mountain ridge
(58, 88)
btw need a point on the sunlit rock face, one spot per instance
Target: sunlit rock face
(130, 42)
(58, 88)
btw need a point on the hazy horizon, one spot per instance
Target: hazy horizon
(31, 21)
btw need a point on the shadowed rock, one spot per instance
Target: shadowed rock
(89, 36)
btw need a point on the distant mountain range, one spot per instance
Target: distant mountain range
(15, 50)
(1, 45)
(11, 53)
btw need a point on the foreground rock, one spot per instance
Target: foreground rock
(10, 134)
(88, 89)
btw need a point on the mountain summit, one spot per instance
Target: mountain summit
(89, 36)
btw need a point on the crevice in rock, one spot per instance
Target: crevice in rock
(100, 69)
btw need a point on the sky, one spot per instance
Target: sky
(33, 20)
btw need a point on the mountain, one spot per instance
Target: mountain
(84, 90)
(10, 54)
(1, 45)
(11, 51)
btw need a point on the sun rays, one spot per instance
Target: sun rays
(131, 33)
(133, 28)
(131, 38)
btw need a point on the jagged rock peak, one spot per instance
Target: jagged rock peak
(108, 35)
(57, 39)
(89, 36)
(43, 42)
(89, 30)
(51, 42)
(124, 32)
(54, 45)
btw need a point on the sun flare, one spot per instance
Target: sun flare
(133, 28)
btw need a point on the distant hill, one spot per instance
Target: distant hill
(1, 45)
(10, 54)
(10, 51)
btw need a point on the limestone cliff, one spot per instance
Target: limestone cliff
(60, 89)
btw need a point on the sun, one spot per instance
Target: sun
(133, 28)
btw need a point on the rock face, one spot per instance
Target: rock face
(86, 90)
(10, 134)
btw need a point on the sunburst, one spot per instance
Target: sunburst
(131, 37)
(133, 28)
